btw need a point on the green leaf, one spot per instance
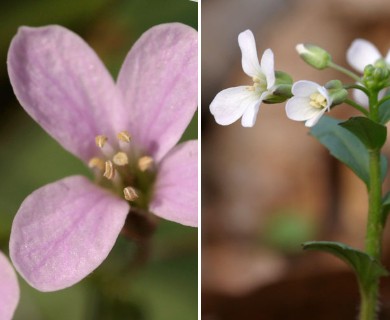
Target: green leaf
(366, 267)
(373, 135)
(346, 147)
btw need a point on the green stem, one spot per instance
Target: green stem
(356, 106)
(345, 71)
(356, 86)
(369, 295)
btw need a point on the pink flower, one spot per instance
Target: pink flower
(9, 289)
(126, 132)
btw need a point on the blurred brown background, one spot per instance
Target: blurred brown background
(269, 188)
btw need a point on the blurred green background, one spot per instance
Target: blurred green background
(164, 288)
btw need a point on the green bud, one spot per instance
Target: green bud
(336, 91)
(282, 78)
(314, 55)
(334, 85)
(376, 76)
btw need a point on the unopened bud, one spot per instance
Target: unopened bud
(336, 92)
(314, 55)
(376, 77)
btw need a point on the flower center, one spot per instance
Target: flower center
(318, 101)
(121, 168)
(259, 85)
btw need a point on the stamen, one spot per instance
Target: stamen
(145, 163)
(124, 136)
(101, 140)
(120, 159)
(96, 163)
(130, 194)
(109, 171)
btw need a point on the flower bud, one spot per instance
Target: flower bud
(336, 92)
(314, 55)
(376, 76)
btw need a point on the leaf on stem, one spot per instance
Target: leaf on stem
(367, 269)
(346, 147)
(372, 134)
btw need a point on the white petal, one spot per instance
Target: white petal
(387, 59)
(325, 93)
(360, 97)
(267, 66)
(361, 53)
(249, 117)
(230, 104)
(299, 109)
(250, 61)
(313, 121)
(304, 88)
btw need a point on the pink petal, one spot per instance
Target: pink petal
(176, 190)
(9, 289)
(62, 84)
(159, 82)
(63, 231)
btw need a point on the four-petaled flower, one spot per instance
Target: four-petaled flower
(126, 132)
(244, 101)
(9, 289)
(309, 103)
(360, 54)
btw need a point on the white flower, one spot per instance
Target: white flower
(309, 103)
(244, 101)
(360, 54)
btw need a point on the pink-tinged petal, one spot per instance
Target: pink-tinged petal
(230, 104)
(9, 289)
(63, 231)
(267, 66)
(361, 53)
(62, 84)
(250, 61)
(159, 81)
(304, 88)
(175, 196)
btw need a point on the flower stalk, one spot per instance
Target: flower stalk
(369, 296)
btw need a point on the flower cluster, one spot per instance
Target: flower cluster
(306, 100)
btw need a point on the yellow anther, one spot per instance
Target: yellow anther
(124, 136)
(317, 100)
(145, 163)
(96, 163)
(109, 170)
(101, 140)
(120, 159)
(130, 194)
